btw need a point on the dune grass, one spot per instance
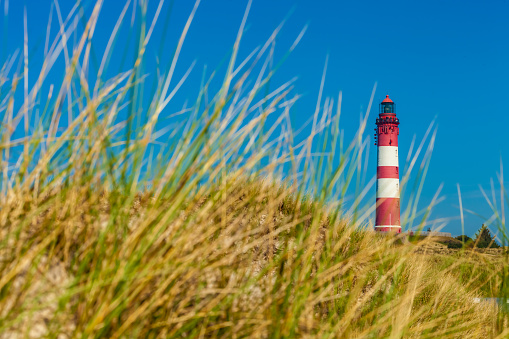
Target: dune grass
(114, 223)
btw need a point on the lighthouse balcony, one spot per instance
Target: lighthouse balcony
(388, 120)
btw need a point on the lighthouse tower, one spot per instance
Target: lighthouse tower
(387, 184)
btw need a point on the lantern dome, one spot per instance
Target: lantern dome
(387, 106)
(388, 100)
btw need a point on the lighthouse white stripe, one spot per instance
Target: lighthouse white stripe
(387, 155)
(387, 188)
(391, 226)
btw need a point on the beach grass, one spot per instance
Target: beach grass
(227, 223)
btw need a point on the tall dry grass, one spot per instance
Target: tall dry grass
(220, 226)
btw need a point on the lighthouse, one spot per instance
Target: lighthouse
(387, 173)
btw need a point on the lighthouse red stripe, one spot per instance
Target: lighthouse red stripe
(389, 139)
(387, 211)
(387, 172)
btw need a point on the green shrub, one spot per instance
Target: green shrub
(454, 245)
(463, 238)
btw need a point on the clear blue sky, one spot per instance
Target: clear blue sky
(447, 60)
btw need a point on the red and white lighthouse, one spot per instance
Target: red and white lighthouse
(387, 184)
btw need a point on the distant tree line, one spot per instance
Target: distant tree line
(483, 239)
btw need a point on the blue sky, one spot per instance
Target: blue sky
(443, 60)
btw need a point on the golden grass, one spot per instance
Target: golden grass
(113, 227)
(272, 268)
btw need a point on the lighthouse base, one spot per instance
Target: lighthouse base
(388, 228)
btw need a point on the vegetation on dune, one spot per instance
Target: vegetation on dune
(484, 239)
(256, 263)
(113, 227)
(464, 238)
